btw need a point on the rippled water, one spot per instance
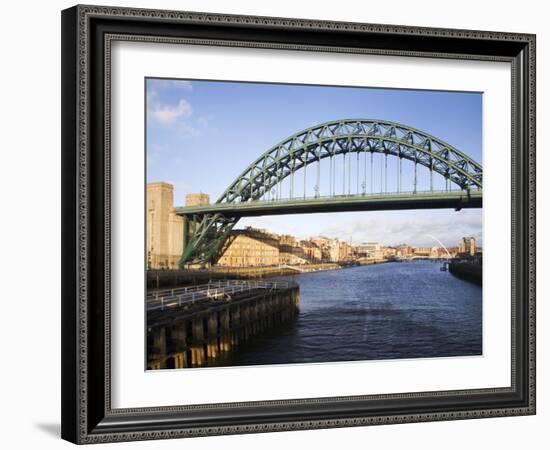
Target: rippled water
(386, 311)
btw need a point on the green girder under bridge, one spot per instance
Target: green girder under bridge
(352, 179)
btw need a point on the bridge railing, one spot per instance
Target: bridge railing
(218, 290)
(359, 194)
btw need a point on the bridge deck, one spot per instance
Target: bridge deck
(342, 203)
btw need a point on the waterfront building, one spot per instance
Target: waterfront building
(164, 234)
(250, 247)
(360, 251)
(334, 250)
(329, 251)
(462, 246)
(290, 251)
(370, 250)
(453, 251)
(368, 247)
(312, 251)
(320, 241)
(164, 240)
(423, 251)
(472, 246)
(197, 199)
(467, 246)
(345, 251)
(404, 251)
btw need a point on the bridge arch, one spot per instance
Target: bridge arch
(309, 146)
(347, 136)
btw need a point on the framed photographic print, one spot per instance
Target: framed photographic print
(281, 224)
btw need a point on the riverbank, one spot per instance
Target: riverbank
(169, 278)
(157, 279)
(467, 271)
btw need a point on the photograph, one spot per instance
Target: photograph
(292, 219)
(297, 224)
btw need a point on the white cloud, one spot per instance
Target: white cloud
(161, 109)
(394, 229)
(194, 129)
(168, 114)
(388, 227)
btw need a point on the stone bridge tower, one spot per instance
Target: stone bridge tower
(164, 228)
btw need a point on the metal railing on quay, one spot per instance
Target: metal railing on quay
(218, 290)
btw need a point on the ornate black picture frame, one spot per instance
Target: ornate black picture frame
(87, 34)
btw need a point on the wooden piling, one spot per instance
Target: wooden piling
(199, 338)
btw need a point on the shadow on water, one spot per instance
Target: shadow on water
(249, 351)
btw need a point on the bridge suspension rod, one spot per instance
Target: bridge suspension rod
(292, 178)
(278, 186)
(431, 174)
(447, 184)
(344, 176)
(365, 172)
(399, 175)
(349, 175)
(334, 178)
(357, 178)
(386, 173)
(318, 191)
(371, 173)
(381, 173)
(305, 172)
(330, 180)
(415, 173)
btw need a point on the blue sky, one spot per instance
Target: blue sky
(202, 134)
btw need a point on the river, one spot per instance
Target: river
(385, 311)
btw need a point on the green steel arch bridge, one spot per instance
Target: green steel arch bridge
(348, 162)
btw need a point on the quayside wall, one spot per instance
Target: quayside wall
(192, 327)
(157, 279)
(467, 271)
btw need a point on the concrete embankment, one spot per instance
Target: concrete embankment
(369, 262)
(467, 271)
(192, 327)
(169, 278)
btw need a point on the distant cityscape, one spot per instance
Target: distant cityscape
(253, 247)
(259, 247)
